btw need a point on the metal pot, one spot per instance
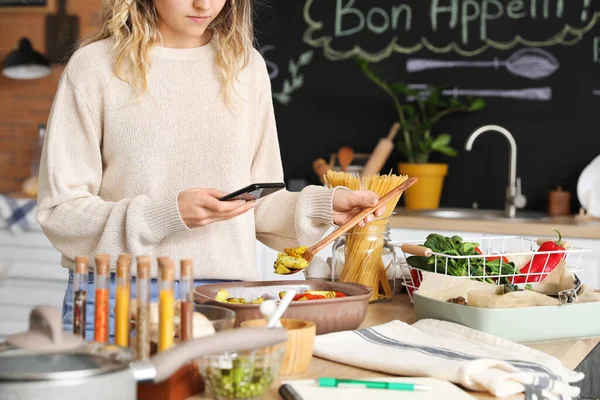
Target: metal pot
(46, 362)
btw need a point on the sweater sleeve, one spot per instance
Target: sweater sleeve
(76, 220)
(283, 219)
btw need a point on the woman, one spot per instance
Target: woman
(168, 101)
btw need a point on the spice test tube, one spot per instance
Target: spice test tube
(123, 293)
(102, 298)
(186, 293)
(142, 328)
(166, 303)
(80, 288)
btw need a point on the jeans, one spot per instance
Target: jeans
(67, 310)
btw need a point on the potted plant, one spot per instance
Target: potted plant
(418, 113)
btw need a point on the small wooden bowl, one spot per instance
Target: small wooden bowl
(299, 346)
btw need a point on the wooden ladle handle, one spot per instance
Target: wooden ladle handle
(360, 216)
(416, 250)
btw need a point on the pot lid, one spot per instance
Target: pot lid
(23, 366)
(45, 352)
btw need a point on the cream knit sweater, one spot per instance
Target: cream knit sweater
(112, 168)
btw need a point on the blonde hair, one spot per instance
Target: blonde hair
(133, 25)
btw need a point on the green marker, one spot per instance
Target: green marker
(333, 382)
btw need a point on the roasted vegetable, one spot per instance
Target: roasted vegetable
(308, 296)
(281, 269)
(296, 252)
(315, 295)
(222, 296)
(290, 261)
(236, 300)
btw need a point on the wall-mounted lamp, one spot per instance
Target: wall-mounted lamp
(25, 63)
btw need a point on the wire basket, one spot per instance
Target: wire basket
(514, 248)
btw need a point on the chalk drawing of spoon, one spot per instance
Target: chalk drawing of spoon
(533, 94)
(530, 63)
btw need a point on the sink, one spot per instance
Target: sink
(467, 213)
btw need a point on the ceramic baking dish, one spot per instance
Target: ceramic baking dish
(521, 325)
(329, 315)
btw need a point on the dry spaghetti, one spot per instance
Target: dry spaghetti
(364, 247)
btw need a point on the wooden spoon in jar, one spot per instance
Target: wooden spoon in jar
(314, 249)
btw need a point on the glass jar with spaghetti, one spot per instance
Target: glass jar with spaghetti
(364, 255)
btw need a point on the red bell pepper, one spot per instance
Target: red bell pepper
(307, 296)
(339, 294)
(541, 264)
(416, 277)
(492, 258)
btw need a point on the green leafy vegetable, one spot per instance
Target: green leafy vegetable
(455, 246)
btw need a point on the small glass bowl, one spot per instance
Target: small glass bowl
(221, 318)
(241, 375)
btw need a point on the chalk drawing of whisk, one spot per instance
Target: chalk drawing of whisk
(530, 63)
(532, 94)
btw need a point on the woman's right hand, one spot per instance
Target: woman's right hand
(200, 207)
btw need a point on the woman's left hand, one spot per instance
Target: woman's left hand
(347, 203)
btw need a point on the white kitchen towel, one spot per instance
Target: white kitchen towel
(452, 352)
(18, 214)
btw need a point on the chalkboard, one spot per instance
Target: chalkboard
(323, 101)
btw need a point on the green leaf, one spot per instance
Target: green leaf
(282, 98)
(399, 87)
(455, 102)
(306, 57)
(468, 248)
(420, 262)
(287, 87)
(449, 151)
(477, 105)
(401, 146)
(438, 243)
(292, 68)
(442, 140)
(410, 110)
(298, 81)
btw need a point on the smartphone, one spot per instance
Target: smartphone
(254, 191)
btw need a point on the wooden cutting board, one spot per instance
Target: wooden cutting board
(62, 34)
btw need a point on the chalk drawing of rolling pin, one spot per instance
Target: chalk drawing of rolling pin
(534, 94)
(596, 92)
(530, 63)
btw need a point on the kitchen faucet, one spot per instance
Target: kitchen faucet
(514, 198)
